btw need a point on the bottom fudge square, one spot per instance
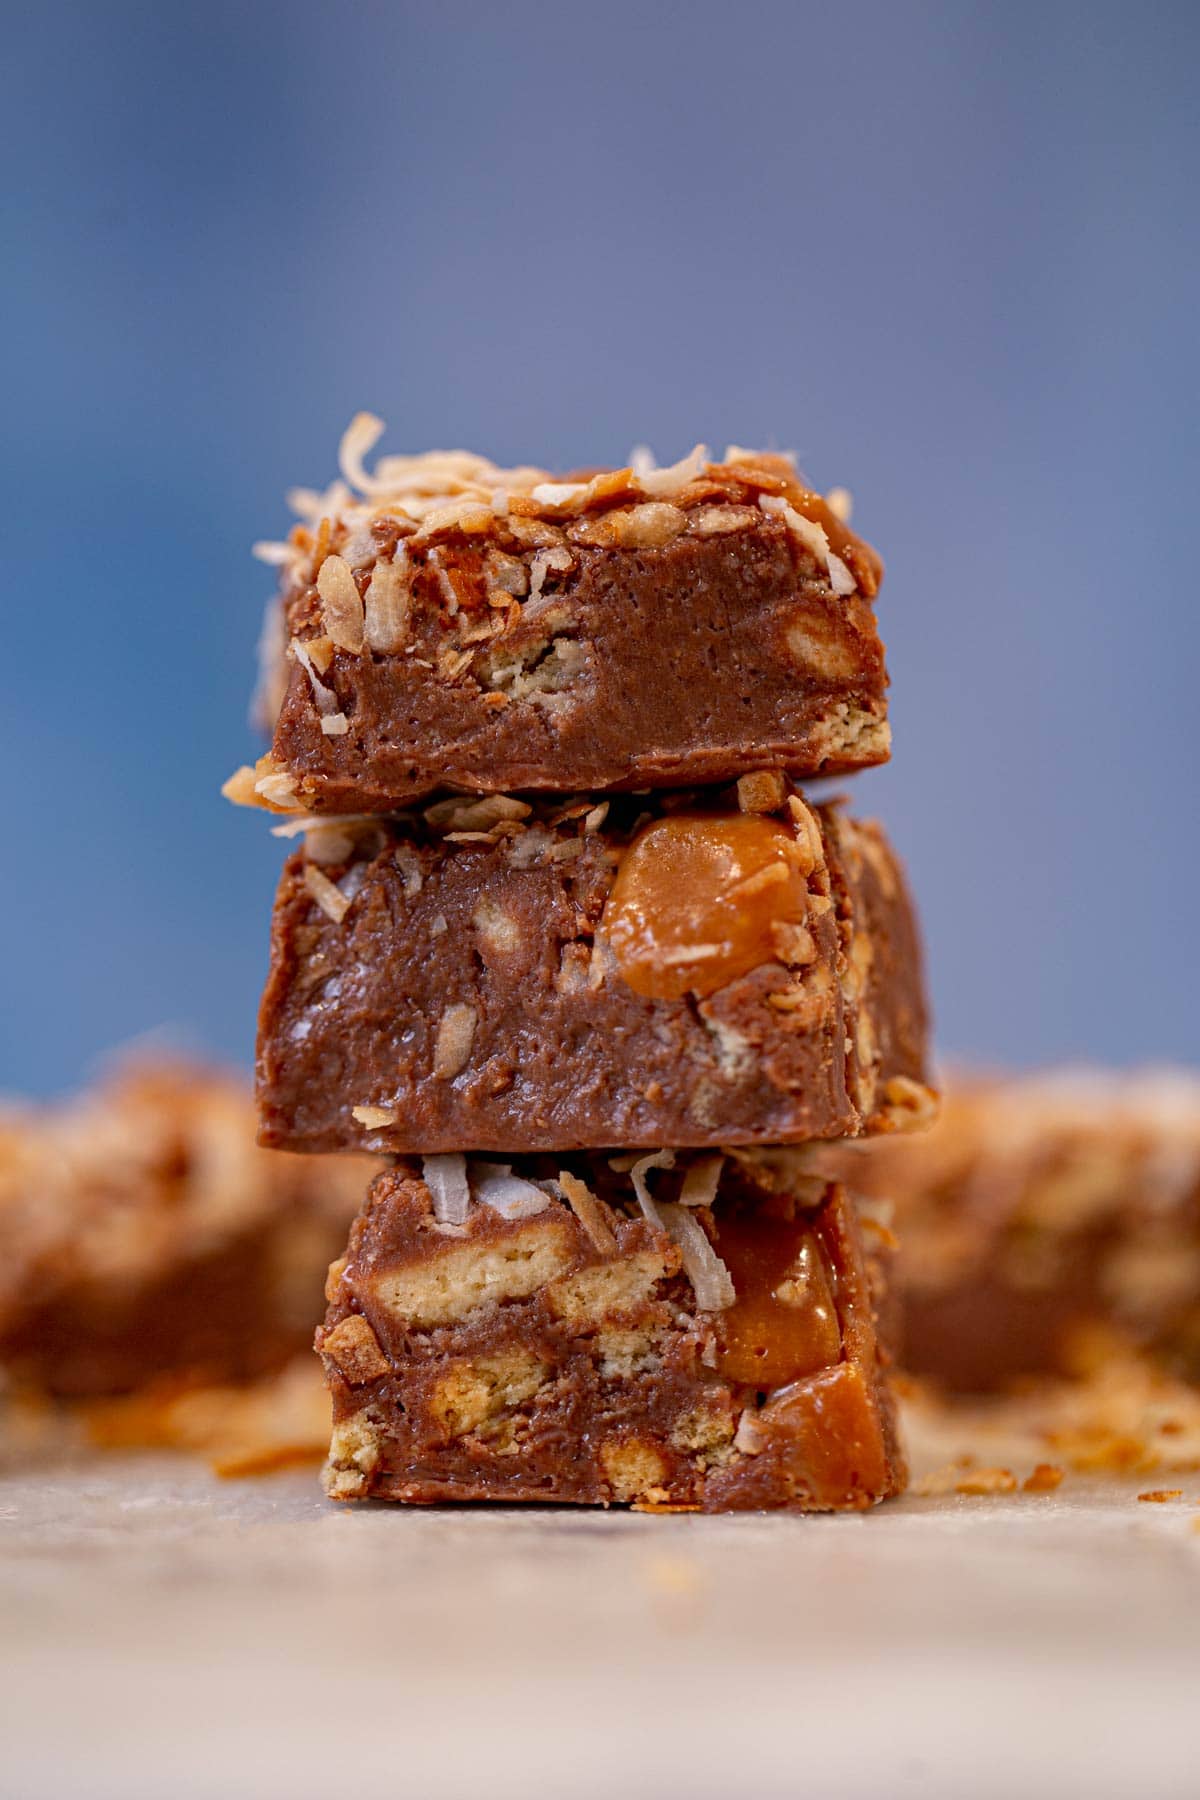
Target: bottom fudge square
(674, 1331)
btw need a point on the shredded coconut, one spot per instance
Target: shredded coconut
(332, 902)
(446, 1179)
(708, 1275)
(343, 607)
(452, 1046)
(592, 1214)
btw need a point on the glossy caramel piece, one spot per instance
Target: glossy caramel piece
(783, 1324)
(701, 899)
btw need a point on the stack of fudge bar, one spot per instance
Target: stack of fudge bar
(567, 944)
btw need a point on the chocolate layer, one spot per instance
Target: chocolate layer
(550, 1338)
(665, 970)
(628, 632)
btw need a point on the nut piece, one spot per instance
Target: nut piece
(455, 1035)
(353, 1346)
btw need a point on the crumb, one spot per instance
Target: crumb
(987, 1481)
(1161, 1494)
(1044, 1479)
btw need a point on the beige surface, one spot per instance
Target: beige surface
(168, 1634)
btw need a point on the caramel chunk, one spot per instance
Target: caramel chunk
(696, 901)
(784, 1323)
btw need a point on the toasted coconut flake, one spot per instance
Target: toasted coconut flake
(270, 687)
(646, 527)
(840, 578)
(276, 787)
(327, 841)
(660, 483)
(449, 1189)
(814, 539)
(708, 1275)
(594, 818)
(278, 555)
(592, 1214)
(460, 815)
(757, 459)
(332, 902)
(387, 605)
(508, 1194)
(556, 560)
(409, 865)
(326, 699)
(701, 1181)
(455, 1035)
(840, 502)
(359, 438)
(241, 789)
(557, 493)
(465, 515)
(342, 604)
(660, 1159)
(508, 577)
(335, 724)
(373, 1117)
(716, 520)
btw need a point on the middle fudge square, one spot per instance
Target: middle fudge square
(686, 1331)
(698, 969)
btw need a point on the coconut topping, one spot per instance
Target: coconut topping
(446, 1179)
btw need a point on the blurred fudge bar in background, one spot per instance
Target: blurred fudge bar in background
(143, 1234)
(1044, 1222)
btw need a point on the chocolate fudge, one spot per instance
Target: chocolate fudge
(704, 968)
(677, 1331)
(144, 1235)
(455, 625)
(1045, 1223)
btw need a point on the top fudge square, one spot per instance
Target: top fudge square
(448, 624)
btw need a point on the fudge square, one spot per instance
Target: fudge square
(448, 624)
(1047, 1223)
(144, 1236)
(680, 1331)
(691, 969)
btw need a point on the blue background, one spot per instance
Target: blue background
(946, 252)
